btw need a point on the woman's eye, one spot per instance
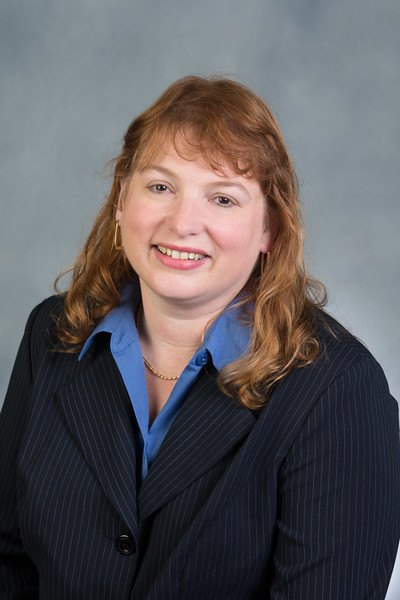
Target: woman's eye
(224, 201)
(159, 187)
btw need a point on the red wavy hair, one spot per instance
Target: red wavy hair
(226, 123)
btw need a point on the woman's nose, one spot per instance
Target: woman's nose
(185, 216)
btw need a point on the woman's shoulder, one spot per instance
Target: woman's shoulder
(342, 357)
(43, 315)
(42, 320)
(344, 379)
(343, 366)
(335, 338)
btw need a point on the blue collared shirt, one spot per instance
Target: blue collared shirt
(226, 341)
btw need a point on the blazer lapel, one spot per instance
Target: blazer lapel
(98, 411)
(207, 427)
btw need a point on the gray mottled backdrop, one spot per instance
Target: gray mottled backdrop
(74, 73)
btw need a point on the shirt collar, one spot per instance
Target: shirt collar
(120, 322)
(228, 338)
(226, 341)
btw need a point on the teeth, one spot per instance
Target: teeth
(180, 255)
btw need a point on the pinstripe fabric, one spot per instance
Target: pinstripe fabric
(299, 501)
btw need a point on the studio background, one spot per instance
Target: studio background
(74, 73)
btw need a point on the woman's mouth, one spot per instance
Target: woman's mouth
(180, 255)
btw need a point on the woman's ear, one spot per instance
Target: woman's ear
(121, 197)
(271, 230)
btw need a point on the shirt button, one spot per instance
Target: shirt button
(202, 359)
(125, 544)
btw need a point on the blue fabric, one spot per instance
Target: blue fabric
(226, 340)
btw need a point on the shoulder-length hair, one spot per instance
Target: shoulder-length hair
(226, 123)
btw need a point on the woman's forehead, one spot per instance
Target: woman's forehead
(202, 152)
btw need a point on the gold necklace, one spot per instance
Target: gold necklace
(157, 373)
(146, 362)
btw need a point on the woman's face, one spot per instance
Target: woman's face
(191, 235)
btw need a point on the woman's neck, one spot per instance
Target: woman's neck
(170, 332)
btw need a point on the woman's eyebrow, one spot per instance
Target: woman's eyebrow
(226, 183)
(158, 168)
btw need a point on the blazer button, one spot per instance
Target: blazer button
(125, 544)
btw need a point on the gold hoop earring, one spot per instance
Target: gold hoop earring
(117, 234)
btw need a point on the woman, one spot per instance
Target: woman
(186, 422)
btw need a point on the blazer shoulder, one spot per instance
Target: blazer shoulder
(337, 341)
(345, 376)
(342, 360)
(47, 310)
(344, 356)
(42, 321)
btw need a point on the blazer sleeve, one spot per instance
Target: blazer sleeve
(339, 519)
(18, 575)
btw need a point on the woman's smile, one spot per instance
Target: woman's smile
(183, 259)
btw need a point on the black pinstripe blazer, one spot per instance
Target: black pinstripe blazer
(297, 501)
